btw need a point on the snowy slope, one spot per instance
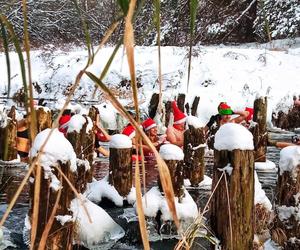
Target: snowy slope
(236, 74)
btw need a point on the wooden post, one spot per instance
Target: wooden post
(8, 137)
(168, 107)
(44, 118)
(260, 134)
(83, 143)
(153, 105)
(120, 163)
(54, 189)
(240, 185)
(93, 113)
(288, 198)
(181, 101)
(175, 167)
(195, 106)
(194, 149)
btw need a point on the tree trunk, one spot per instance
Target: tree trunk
(120, 169)
(193, 149)
(241, 199)
(168, 106)
(195, 106)
(176, 173)
(260, 134)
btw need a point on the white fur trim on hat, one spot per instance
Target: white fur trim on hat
(180, 121)
(132, 135)
(151, 126)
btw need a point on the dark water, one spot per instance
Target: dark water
(11, 177)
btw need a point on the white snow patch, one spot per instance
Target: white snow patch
(260, 195)
(284, 212)
(55, 183)
(205, 184)
(195, 122)
(228, 168)
(289, 160)
(268, 165)
(102, 227)
(100, 189)
(171, 152)
(76, 123)
(187, 209)
(232, 136)
(84, 162)
(120, 141)
(108, 115)
(57, 148)
(64, 219)
(131, 197)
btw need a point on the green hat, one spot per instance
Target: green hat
(225, 109)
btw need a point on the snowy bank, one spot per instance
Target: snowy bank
(289, 160)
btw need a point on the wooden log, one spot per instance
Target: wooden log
(187, 108)
(181, 101)
(8, 137)
(60, 236)
(120, 165)
(194, 155)
(83, 144)
(93, 113)
(44, 119)
(153, 105)
(168, 108)
(260, 134)
(176, 173)
(195, 106)
(241, 202)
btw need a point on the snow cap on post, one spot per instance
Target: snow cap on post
(77, 121)
(148, 124)
(289, 160)
(120, 141)
(57, 148)
(171, 152)
(179, 117)
(232, 136)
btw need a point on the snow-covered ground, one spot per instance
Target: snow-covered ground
(236, 74)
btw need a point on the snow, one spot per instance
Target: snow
(195, 122)
(268, 165)
(260, 195)
(76, 123)
(120, 141)
(171, 152)
(205, 184)
(289, 160)
(284, 212)
(215, 74)
(228, 168)
(64, 219)
(187, 209)
(102, 189)
(231, 136)
(57, 148)
(108, 115)
(102, 227)
(83, 162)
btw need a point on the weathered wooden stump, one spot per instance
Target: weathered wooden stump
(194, 149)
(260, 133)
(55, 193)
(120, 163)
(83, 140)
(44, 118)
(175, 165)
(168, 108)
(195, 106)
(153, 105)
(93, 113)
(8, 136)
(288, 198)
(233, 220)
(181, 101)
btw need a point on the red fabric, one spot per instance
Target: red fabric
(64, 119)
(148, 124)
(129, 130)
(101, 137)
(134, 158)
(179, 117)
(250, 116)
(224, 106)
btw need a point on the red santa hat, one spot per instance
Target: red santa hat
(179, 117)
(250, 116)
(148, 124)
(129, 130)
